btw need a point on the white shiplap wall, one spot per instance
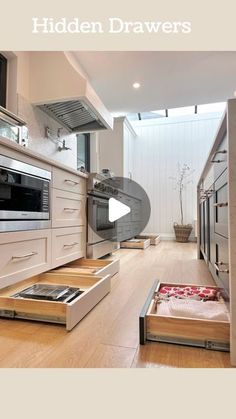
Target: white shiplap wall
(159, 146)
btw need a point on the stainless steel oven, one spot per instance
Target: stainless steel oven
(102, 228)
(24, 196)
(101, 232)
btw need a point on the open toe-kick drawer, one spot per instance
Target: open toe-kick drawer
(192, 331)
(90, 266)
(63, 299)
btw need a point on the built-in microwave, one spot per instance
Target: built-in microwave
(24, 196)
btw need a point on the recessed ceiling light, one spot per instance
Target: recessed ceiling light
(136, 85)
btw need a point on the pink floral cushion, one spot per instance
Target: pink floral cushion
(190, 292)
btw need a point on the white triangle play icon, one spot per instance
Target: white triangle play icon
(117, 209)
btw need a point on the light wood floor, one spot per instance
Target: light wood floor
(108, 336)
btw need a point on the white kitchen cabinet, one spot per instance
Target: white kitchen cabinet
(115, 148)
(68, 244)
(23, 254)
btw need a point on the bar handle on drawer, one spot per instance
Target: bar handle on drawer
(220, 204)
(72, 182)
(217, 264)
(214, 155)
(28, 255)
(71, 209)
(71, 244)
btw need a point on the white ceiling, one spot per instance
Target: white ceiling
(168, 79)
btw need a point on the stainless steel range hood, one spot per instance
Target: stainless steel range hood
(74, 115)
(59, 89)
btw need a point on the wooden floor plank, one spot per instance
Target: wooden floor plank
(162, 355)
(107, 356)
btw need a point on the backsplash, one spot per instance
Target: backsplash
(37, 121)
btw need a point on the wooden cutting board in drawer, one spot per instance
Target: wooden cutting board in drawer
(94, 289)
(23, 254)
(68, 209)
(90, 266)
(209, 334)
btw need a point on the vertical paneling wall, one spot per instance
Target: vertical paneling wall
(158, 148)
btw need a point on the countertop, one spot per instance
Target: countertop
(31, 153)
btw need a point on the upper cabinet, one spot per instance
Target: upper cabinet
(115, 148)
(58, 88)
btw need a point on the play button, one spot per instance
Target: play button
(117, 210)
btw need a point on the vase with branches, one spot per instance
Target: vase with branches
(182, 231)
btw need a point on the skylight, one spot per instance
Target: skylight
(181, 111)
(211, 107)
(186, 110)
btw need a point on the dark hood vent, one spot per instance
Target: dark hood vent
(74, 115)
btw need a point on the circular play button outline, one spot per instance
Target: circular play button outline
(119, 209)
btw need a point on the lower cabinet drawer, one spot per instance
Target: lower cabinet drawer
(68, 244)
(68, 209)
(23, 254)
(90, 266)
(94, 289)
(135, 244)
(68, 181)
(209, 334)
(221, 263)
(154, 239)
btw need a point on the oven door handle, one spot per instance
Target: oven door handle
(100, 201)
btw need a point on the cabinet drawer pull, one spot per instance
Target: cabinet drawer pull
(72, 182)
(214, 155)
(28, 255)
(217, 264)
(220, 204)
(71, 244)
(71, 209)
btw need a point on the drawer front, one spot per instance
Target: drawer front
(78, 309)
(219, 159)
(97, 250)
(69, 314)
(210, 334)
(68, 181)
(24, 254)
(68, 209)
(68, 244)
(154, 240)
(221, 205)
(208, 180)
(95, 266)
(221, 265)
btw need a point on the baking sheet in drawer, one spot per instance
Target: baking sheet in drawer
(94, 289)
